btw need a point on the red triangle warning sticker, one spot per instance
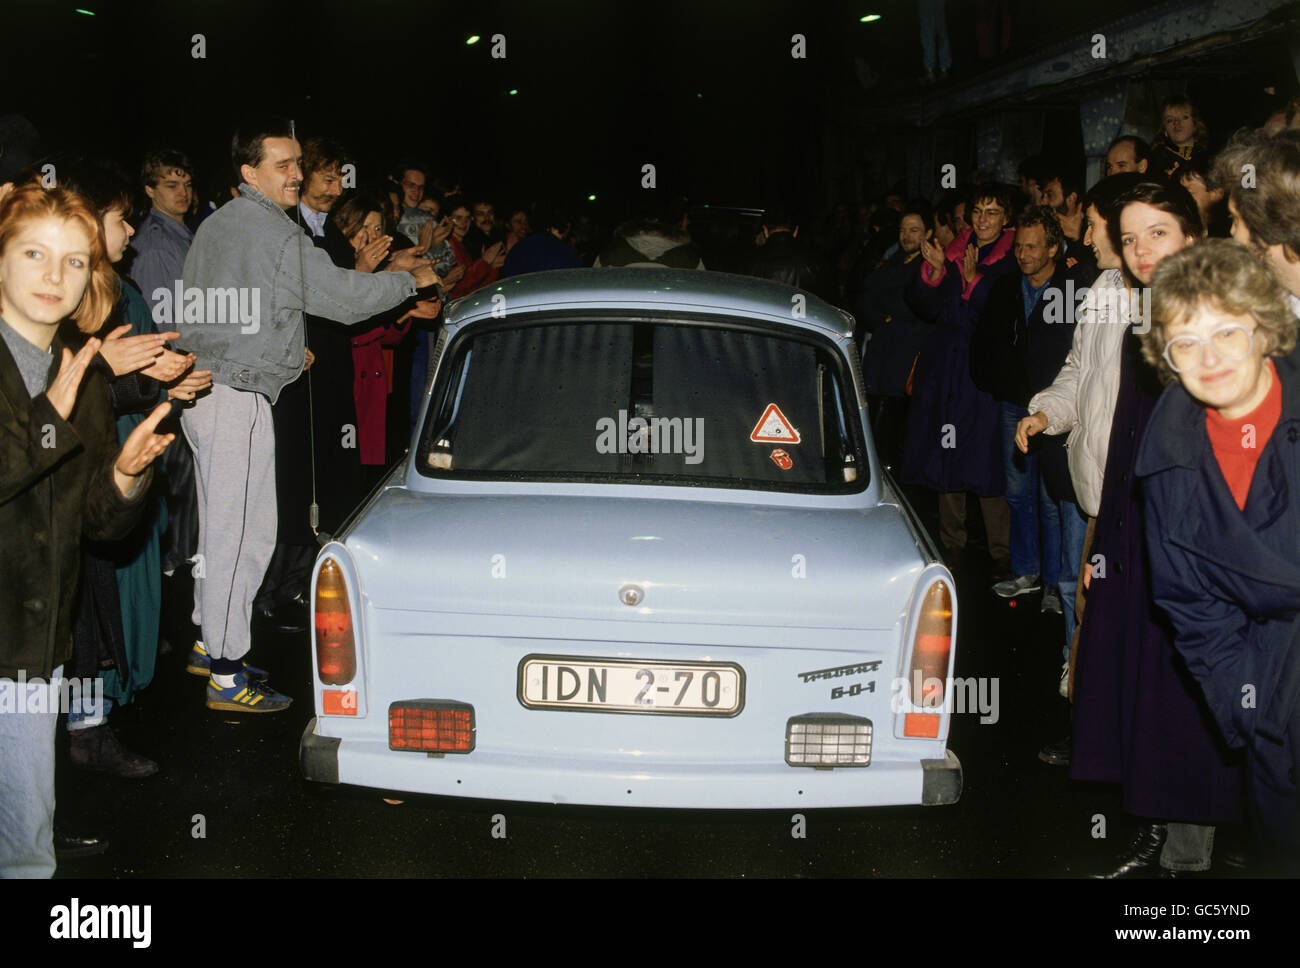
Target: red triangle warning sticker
(773, 428)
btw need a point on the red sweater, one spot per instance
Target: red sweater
(1237, 443)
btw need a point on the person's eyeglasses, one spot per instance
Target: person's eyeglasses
(1231, 343)
(460, 218)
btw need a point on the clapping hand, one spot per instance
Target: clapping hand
(62, 393)
(932, 254)
(190, 387)
(408, 260)
(140, 450)
(370, 255)
(126, 354)
(169, 365)
(970, 262)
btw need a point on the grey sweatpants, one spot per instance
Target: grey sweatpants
(233, 441)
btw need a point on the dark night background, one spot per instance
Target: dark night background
(706, 91)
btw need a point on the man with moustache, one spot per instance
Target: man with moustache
(1063, 194)
(282, 600)
(252, 247)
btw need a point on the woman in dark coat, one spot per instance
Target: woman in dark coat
(62, 475)
(1139, 717)
(953, 443)
(1221, 476)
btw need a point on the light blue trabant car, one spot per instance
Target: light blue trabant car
(641, 552)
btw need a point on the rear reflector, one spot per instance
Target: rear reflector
(338, 702)
(336, 652)
(431, 725)
(921, 725)
(828, 739)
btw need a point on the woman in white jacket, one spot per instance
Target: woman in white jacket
(1081, 400)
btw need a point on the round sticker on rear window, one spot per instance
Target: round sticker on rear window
(781, 459)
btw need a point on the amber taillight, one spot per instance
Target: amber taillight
(930, 653)
(336, 651)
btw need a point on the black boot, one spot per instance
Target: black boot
(97, 749)
(1143, 858)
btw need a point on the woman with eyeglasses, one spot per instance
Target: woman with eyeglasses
(1221, 473)
(1140, 718)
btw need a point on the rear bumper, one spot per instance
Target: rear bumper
(550, 778)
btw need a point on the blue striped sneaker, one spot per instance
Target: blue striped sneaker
(200, 664)
(246, 696)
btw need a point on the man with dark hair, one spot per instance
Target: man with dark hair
(1266, 215)
(323, 162)
(484, 230)
(546, 249)
(282, 600)
(896, 333)
(408, 181)
(1127, 153)
(163, 239)
(1023, 337)
(782, 259)
(248, 255)
(1063, 194)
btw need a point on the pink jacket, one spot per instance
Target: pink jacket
(372, 382)
(956, 251)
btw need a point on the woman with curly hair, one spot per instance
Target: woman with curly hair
(1220, 468)
(1139, 717)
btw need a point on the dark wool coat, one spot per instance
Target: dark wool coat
(947, 407)
(1013, 358)
(897, 333)
(56, 484)
(1230, 581)
(1140, 718)
(314, 412)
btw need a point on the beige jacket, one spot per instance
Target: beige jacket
(1081, 400)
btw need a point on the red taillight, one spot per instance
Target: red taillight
(930, 651)
(431, 726)
(336, 651)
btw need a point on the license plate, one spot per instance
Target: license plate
(631, 686)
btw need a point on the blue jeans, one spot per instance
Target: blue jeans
(934, 21)
(88, 712)
(1035, 529)
(1074, 528)
(27, 777)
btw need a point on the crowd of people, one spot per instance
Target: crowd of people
(1108, 370)
(1102, 367)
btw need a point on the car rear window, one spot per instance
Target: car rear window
(715, 405)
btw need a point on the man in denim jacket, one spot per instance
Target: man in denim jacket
(249, 277)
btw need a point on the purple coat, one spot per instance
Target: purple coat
(947, 408)
(1140, 718)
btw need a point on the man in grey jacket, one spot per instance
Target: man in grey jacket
(250, 275)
